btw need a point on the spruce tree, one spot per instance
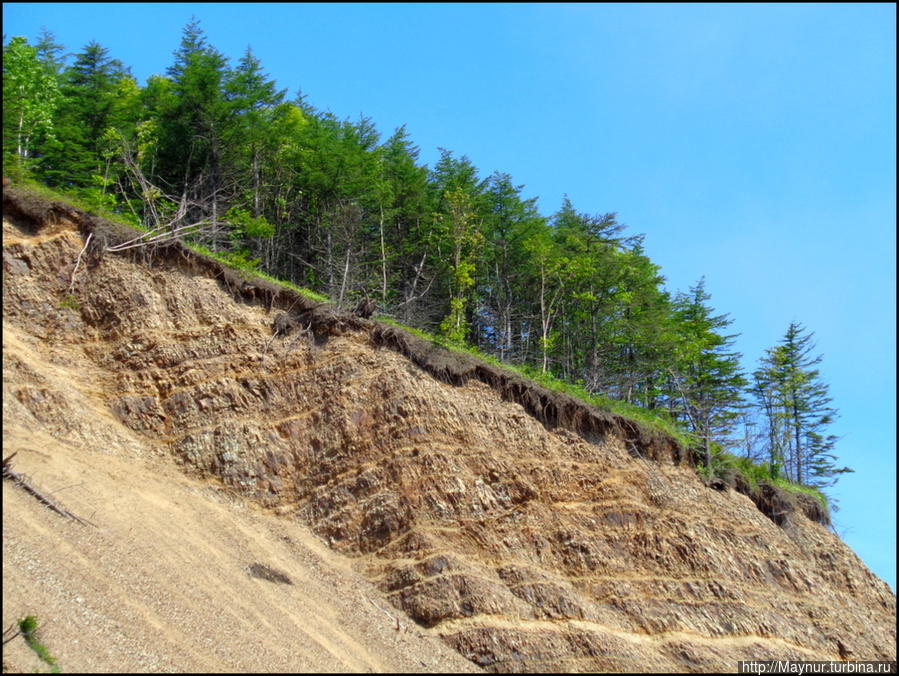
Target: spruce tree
(797, 407)
(409, 260)
(707, 376)
(195, 124)
(90, 94)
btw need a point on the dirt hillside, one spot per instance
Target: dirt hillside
(176, 576)
(482, 516)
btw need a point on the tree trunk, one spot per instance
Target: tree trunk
(383, 258)
(346, 272)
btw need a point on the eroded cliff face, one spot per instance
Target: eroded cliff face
(527, 547)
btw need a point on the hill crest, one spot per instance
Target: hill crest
(465, 498)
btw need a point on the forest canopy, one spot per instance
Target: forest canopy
(218, 150)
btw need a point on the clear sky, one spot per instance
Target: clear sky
(754, 145)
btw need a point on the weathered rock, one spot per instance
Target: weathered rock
(517, 523)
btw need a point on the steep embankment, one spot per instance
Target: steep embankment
(529, 532)
(180, 574)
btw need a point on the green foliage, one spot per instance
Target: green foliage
(798, 412)
(452, 328)
(653, 419)
(280, 190)
(50, 53)
(705, 382)
(77, 199)
(28, 626)
(308, 293)
(95, 106)
(726, 465)
(70, 302)
(239, 259)
(247, 227)
(239, 262)
(461, 239)
(30, 97)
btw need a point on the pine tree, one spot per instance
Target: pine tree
(798, 411)
(707, 375)
(90, 95)
(194, 128)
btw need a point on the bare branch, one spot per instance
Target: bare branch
(19, 480)
(78, 261)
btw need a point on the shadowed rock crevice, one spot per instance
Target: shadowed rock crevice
(553, 409)
(528, 530)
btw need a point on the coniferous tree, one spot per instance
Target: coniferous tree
(194, 128)
(409, 256)
(707, 373)
(50, 53)
(253, 99)
(594, 259)
(509, 220)
(798, 411)
(639, 333)
(322, 202)
(91, 97)
(249, 145)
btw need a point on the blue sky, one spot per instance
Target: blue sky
(754, 145)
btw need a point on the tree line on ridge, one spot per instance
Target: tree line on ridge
(276, 185)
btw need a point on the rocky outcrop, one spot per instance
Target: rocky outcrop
(532, 532)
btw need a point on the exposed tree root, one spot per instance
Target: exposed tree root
(78, 262)
(18, 479)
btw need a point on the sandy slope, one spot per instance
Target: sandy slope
(163, 583)
(524, 546)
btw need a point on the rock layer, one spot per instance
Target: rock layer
(468, 498)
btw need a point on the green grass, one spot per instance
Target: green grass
(78, 202)
(248, 270)
(308, 293)
(756, 473)
(70, 302)
(792, 487)
(28, 626)
(654, 420)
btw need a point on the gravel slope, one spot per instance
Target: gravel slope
(163, 582)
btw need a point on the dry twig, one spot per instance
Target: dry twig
(399, 625)
(78, 261)
(18, 479)
(10, 632)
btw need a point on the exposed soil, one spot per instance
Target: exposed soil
(284, 502)
(179, 574)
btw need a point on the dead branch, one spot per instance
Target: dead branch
(303, 331)
(418, 275)
(19, 480)
(399, 625)
(155, 236)
(10, 633)
(684, 398)
(65, 488)
(78, 261)
(655, 477)
(265, 349)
